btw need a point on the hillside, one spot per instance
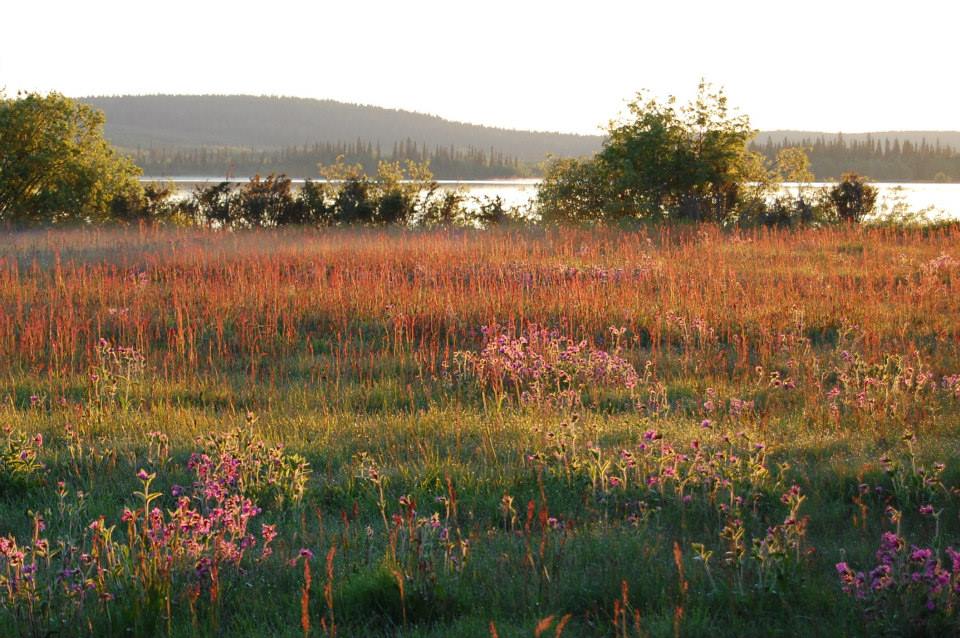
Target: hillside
(945, 138)
(174, 135)
(271, 123)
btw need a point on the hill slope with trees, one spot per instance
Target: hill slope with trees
(170, 135)
(272, 123)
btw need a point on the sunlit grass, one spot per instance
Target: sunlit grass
(823, 345)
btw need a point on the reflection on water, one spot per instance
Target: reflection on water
(938, 199)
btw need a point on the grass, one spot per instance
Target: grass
(465, 490)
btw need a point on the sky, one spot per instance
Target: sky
(842, 65)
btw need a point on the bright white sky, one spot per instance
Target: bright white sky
(831, 65)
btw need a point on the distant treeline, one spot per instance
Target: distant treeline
(302, 161)
(889, 159)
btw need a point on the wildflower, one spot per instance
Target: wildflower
(304, 553)
(922, 556)
(142, 475)
(790, 494)
(926, 510)
(847, 575)
(881, 577)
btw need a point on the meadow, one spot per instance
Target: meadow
(680, 431)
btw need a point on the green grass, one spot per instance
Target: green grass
(483, 453)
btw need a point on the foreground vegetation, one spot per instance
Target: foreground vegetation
(373, 432)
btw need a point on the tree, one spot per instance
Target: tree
(214, 204)
(268, 202)
(55, 164)
(793, 165)
(663, 161)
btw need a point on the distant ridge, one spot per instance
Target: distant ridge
(270, 123)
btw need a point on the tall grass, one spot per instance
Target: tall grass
(654, 432)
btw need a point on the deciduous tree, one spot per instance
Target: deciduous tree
(55, 164)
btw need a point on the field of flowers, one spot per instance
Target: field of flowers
(670, 432)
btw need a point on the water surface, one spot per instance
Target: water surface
(936, 200)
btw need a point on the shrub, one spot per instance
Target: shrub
(20, 467)
(853, 198)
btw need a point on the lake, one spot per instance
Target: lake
(939, 200)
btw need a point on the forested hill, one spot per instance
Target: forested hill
(273, 123)
(944, 138)
(170, 135)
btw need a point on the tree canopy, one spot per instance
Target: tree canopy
(662, 161)
(55, 164)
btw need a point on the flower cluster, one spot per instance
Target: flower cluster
(940, 266)
(726, 482)
(543, 367)
(903, 574)
(238, 461)
(44, 582)
(726, 476)
(887, 388)
(951, 385)
(210, 526)
(208, 534)
(604, 275)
